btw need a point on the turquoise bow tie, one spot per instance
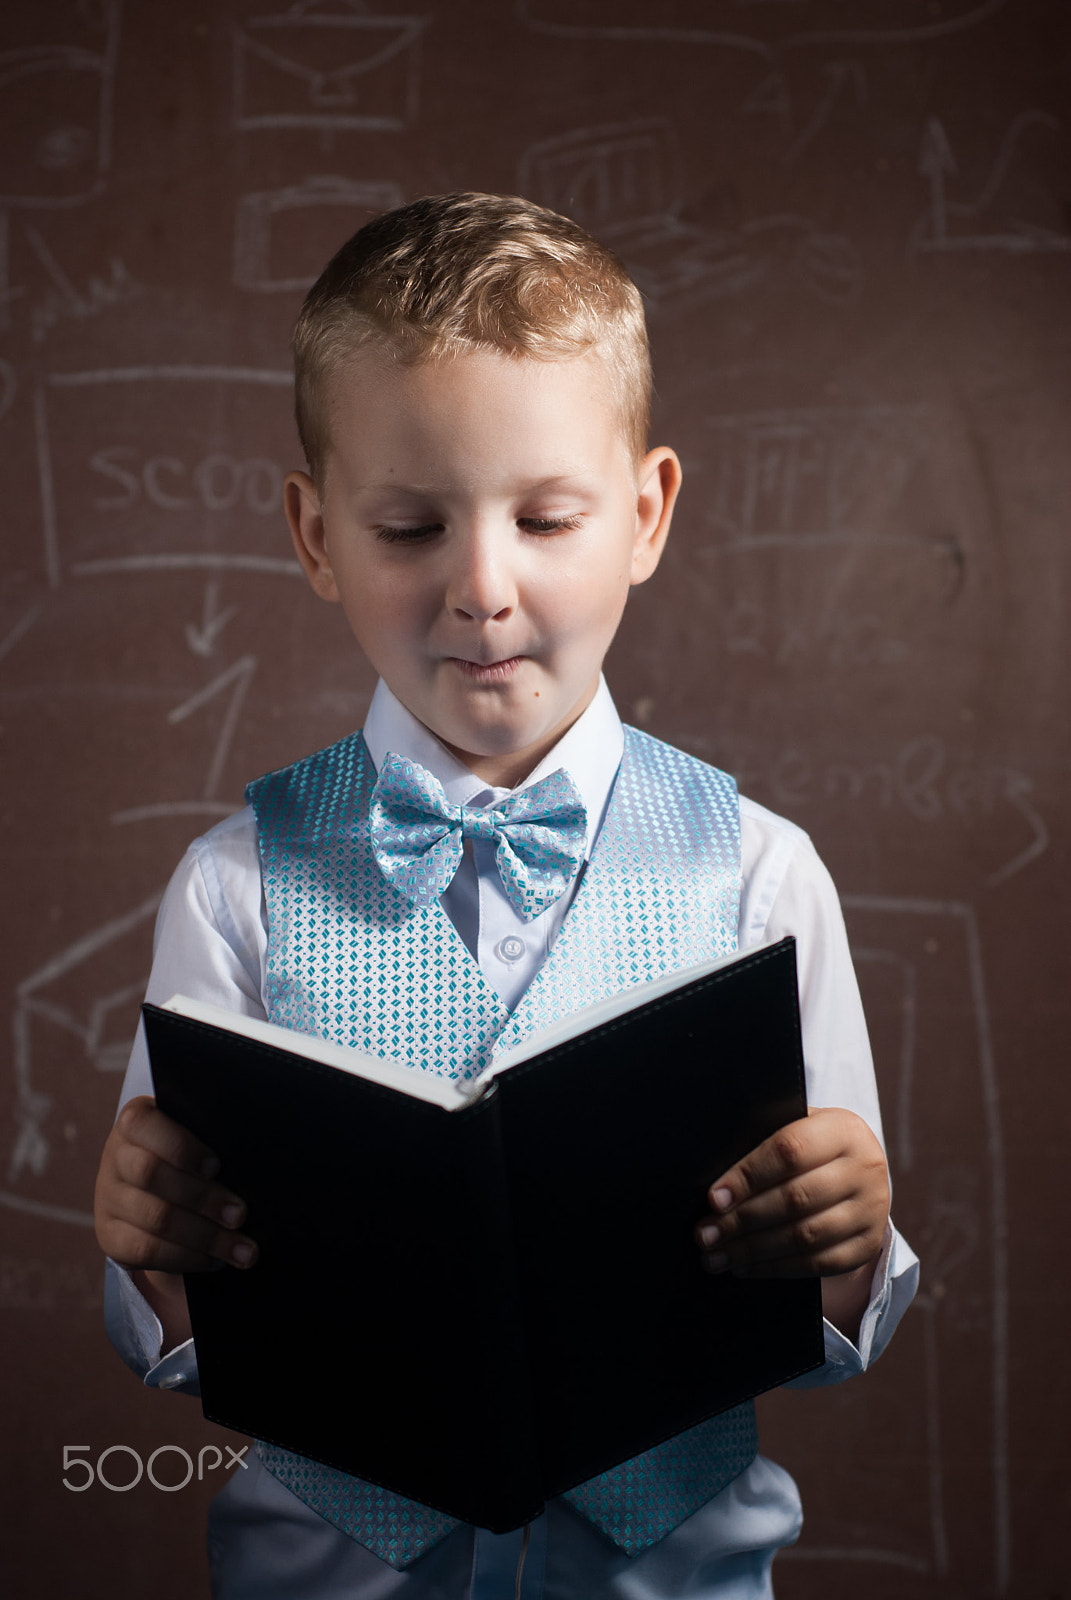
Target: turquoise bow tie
(418, 835)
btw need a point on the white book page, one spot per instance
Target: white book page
(444, 1092)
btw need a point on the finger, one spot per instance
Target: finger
(793, 1149)
(141, 1122)
(824, 1135)
(140, 1167)
(138, 1251)
(803, 1195)
(834, 1241)
(145, 1232)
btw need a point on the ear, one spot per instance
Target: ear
(304, 513)
(659, 484)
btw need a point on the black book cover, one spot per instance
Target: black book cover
(481, 1308)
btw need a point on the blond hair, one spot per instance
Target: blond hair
(459, 272)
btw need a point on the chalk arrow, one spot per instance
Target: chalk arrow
(202, 640)
(935, 161)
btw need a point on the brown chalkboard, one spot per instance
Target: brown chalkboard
(851, 225)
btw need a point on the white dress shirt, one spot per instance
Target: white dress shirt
(211, 942)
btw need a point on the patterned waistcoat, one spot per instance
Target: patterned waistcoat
(352, 960)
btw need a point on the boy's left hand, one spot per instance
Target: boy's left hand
(812, 1200)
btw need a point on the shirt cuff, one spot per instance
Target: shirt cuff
(176, 1370)
(135, 1331)
(892, 1289)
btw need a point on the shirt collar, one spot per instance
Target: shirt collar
(590, 751)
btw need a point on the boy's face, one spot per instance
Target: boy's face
(482, 520)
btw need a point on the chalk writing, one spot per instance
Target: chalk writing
(131, 501)
(216, 483)
(923, 779)
(746, 628)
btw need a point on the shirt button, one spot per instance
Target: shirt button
(510, 949)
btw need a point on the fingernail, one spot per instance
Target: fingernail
(209, 1167)
(242, 1254)
(722, 1199)
(710, 1234)
(717, 1262)
(231, 1214)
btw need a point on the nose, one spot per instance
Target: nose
(481, 583)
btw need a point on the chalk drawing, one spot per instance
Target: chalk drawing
(141, 506)
(964, 1250)
(772, 98)
(31, 1149)
(356, 201)
(63, 299)
(954, 1236)
(846, 80)
(8, 387)
(586, 19)
(42, 1284)
(173, 808)
(623, 182)
(201, 637)
(965, 14)
(624, 175)
(279, 566)
(817, 476)
(543, 16)
(49, 159)
(935, 1477)
(957, 1234)
(310, 68)
(21, 628)
(935, 230)
(237, 678)
(902, 1144)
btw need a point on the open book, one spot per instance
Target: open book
(481, 1294)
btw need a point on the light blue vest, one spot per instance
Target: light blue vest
(351, 960)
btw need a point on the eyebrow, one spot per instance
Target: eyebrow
(568, 481)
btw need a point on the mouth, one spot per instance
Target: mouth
(486, 671)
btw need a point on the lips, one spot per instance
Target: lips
(487, 671)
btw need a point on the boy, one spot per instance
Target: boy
(473, 392)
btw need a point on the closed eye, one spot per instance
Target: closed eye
(550, 524)
(392, 535)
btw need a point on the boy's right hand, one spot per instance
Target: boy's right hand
(157, 1208)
